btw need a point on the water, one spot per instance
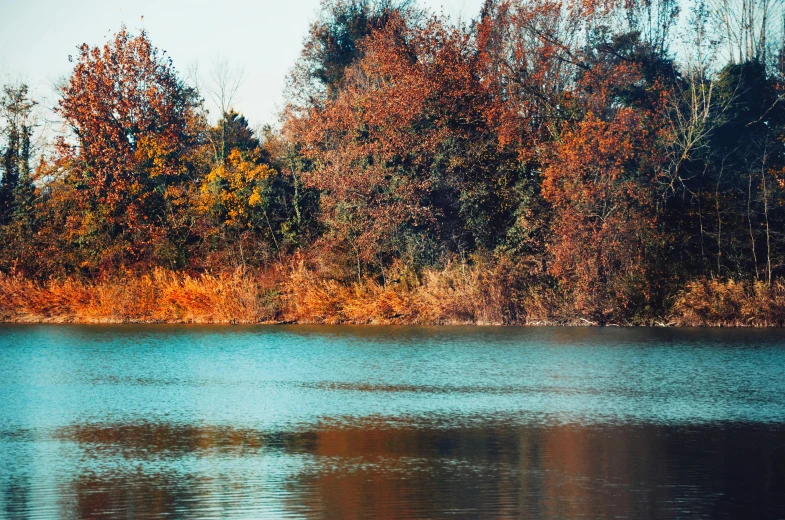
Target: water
(349, 422)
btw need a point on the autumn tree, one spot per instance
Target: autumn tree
(334, 42)
(403, 156)
(361, 162)
(530, 55)
(601, 180)
(244, 196)
(132, 122)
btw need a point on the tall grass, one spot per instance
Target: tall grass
(484, 292)
(711, 302)
(161, 296)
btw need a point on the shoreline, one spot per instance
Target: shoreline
(438, 298)
(71, 320)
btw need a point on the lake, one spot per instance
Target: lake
(390, 422)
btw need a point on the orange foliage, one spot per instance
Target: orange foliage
(159, 297)
(712, 302)
(130, 117)
(375, 147)
(600, 181)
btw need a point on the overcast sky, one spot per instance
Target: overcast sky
(262, 37)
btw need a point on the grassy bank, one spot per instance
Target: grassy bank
(295, 295)
(457, 294)
(729, 303)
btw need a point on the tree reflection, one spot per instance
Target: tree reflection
(377, 469)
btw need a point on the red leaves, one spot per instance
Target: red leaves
(600, 183)
(127, 110)
(372, 145)
(130, 117)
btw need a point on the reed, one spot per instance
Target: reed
(162, 296)
(712, 302)
(483, 292)
(457, 294)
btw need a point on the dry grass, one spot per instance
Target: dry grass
(159, 297)
(484, 292)
(710, 302)
(477, 294)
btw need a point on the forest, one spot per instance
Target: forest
(595, 162)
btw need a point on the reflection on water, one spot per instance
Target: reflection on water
(183, 422)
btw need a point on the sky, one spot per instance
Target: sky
(262, 38)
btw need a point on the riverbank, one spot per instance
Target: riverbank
(453, 296)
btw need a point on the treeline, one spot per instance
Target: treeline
(597, 161)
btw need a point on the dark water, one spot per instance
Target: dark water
(277, 422)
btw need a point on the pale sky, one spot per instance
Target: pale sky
(262, 37)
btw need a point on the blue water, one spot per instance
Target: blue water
(388, 422)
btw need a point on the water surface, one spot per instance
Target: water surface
(387, 422)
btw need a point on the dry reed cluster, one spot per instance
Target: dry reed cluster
(160, 297)
(457, 294)
(709, 302)
(481, 293)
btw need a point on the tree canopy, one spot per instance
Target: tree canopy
(579, 144)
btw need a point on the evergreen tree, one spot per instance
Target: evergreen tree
(16, 113)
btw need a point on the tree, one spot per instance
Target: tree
(334, 42)
(16, 187)
(749, 28)
(744, 163)
(606, 242)
(132, 121)
(233, 133)
(403, 155)
(223, 84)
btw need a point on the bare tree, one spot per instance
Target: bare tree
(748, 27)
(219, 86)
(222, 85)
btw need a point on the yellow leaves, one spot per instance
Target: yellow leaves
(232, 190)
(156, 154)
(256, 198)
(177, 195)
